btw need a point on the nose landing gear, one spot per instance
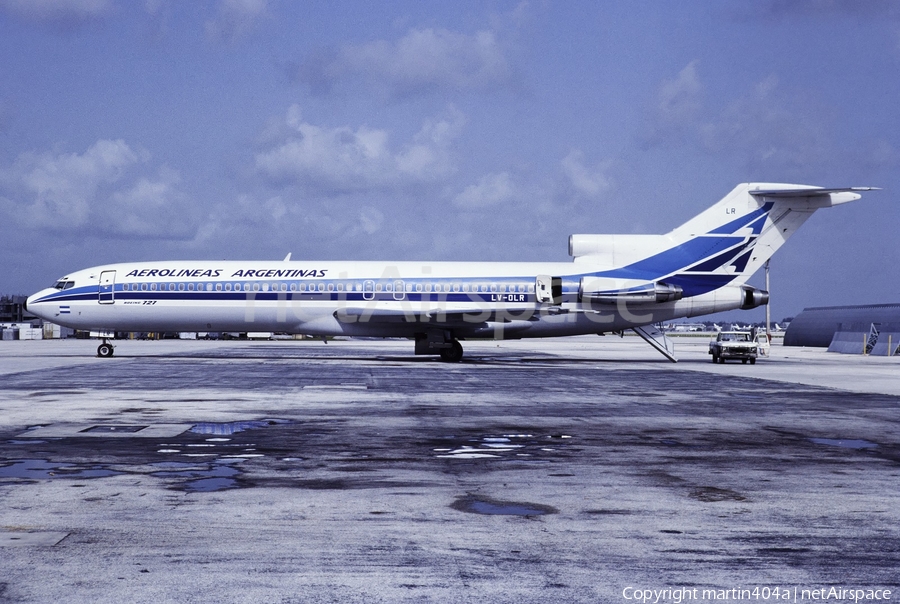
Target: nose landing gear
(105, 349)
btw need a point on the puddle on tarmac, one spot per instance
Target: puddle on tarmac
(492, 507)
(226, 428)
(202, 478)
(845, 443)
(41, 468)
(506, 446)
(216, 472)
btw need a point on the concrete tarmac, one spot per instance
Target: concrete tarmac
(569, 470)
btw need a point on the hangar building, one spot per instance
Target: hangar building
(867, 329)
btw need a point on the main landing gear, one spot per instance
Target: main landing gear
(442, 342)
(454, 354)
(105, 349)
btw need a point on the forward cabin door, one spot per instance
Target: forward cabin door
(107, 287)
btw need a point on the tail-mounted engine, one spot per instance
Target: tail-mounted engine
(753, 297)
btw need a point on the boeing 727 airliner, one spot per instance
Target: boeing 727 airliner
(615, 282)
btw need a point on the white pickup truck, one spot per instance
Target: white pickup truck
(734, 345)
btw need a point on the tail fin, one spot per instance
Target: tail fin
(751, 223)
(723, 245)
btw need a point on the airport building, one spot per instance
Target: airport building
(867, 329)
(12, 309)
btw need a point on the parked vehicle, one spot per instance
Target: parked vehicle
(734, 345)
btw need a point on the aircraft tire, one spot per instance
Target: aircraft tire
(105, 350)
(454, 354)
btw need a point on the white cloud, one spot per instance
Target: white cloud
(491, 190)
(769, 127)
(679, 99)
(588, 181)
(370, 220)
(60, 12)
(428, 155)
(678, 103)
(333, 161)
(58, 189)
(776, 10)
(235, 18)
(423, 60)
(152, 208)
(100, 190)
(766, 127)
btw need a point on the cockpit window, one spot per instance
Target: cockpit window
(63, 284)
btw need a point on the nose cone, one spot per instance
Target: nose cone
(34, 305)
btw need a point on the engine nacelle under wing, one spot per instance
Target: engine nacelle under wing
(597, 290)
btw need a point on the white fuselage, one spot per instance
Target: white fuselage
(475, 299)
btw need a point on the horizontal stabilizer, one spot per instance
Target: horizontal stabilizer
(808, 192)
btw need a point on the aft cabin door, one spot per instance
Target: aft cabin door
(548, 290)
(107, 287)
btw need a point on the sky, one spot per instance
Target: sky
(415, 130)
